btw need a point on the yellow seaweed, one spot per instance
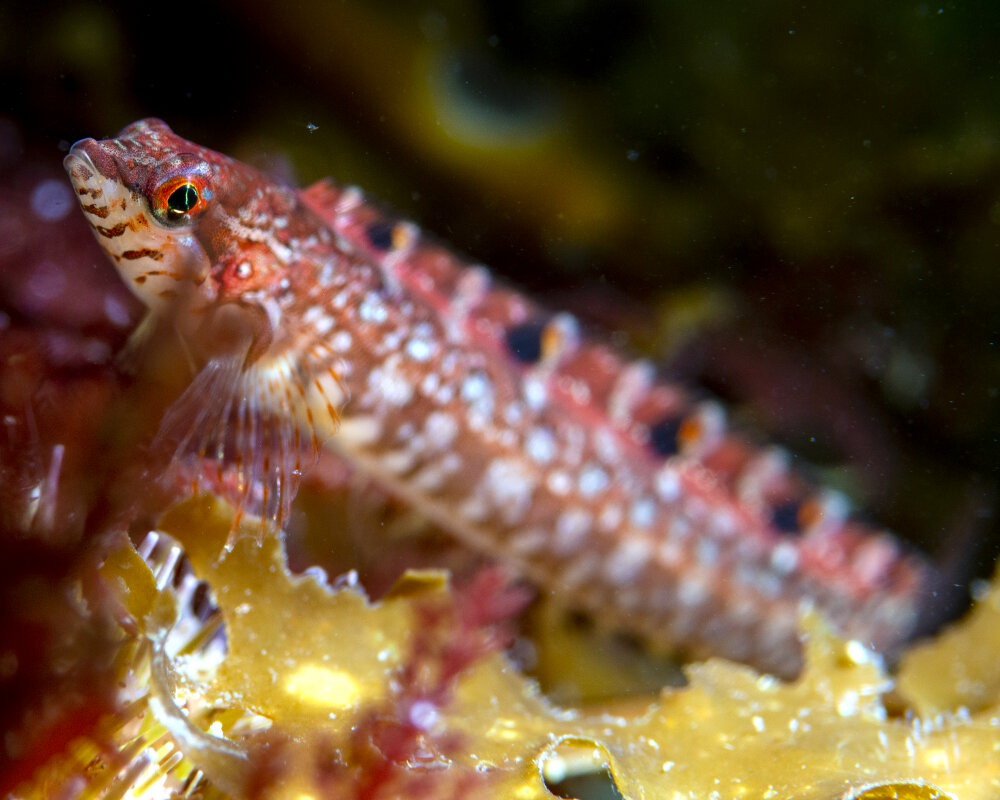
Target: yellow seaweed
(960, 668)
(308, 665)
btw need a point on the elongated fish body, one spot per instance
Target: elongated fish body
(322, 321)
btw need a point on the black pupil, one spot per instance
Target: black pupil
(182, 199)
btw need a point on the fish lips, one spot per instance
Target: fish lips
(88, 159)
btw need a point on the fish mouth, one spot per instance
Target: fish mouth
(79, 165)
(88, 163)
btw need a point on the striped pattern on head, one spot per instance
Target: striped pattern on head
(214, 245)
(127, 187)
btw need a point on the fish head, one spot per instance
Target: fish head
(189, 229)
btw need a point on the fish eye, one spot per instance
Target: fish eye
(182, 200)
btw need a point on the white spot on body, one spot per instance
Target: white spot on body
(445, 394)
(642, 513)
(441, 429)
(559, 482)
(451, 462)
(478, 393)
(420, 350)
(534, 392)
(723, 523)
(406, 433)
(390, 384)
(540, 444)
(429, 384)
(391, 341)
(668, 484)
(323, 325)
(513, 414)
(372, 309)
(593, 480)
(341, 342)
(506, 490)
(628, 559)
(706, 551)
(784, 558)
(341, 299)
(693, 590)
(572, 528)
(606, 446)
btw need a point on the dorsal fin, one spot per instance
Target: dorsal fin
(323, 199)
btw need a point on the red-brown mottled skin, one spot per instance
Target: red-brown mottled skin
(493, 418)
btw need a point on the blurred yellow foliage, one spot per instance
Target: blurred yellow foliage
(307, 663)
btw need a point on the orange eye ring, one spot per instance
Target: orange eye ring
(181, 198)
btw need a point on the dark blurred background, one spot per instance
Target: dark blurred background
(794, 205)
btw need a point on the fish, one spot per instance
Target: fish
(317, 321)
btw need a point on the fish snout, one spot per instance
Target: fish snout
(88, 161)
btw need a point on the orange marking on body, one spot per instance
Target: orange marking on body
(112, 232)
(145, 252)
(810, 514)
(690, 432)
(121, 227)
(400, 237)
